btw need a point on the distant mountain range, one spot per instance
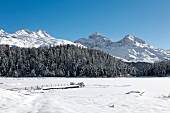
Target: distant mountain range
(129, 49)
(29, 39)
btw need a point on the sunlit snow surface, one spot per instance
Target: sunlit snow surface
(29, 39)
(101, 95)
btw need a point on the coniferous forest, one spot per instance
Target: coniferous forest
(60, 61)
(156, 69)
(71, 61)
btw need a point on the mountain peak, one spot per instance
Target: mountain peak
(97, 36)
(130, 39)
(22, 32)
(2, 32)
(130, 36)
(42, 33)
(95, 40)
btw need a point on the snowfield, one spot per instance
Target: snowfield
(100, 95)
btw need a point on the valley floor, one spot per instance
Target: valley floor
(100, 95)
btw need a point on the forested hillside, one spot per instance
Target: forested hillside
(156, 69)
(60, 61)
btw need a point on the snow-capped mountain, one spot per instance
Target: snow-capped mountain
(28, 39)
(130, 48)
(2, 32)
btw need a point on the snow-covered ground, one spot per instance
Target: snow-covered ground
(101, 95)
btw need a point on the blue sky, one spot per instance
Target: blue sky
(74, 19)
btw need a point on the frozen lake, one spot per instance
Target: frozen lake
(100, 95)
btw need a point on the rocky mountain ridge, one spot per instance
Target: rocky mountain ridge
(28, 39)
(130, 48)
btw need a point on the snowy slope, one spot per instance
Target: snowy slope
(26, 38)
(130, 48)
